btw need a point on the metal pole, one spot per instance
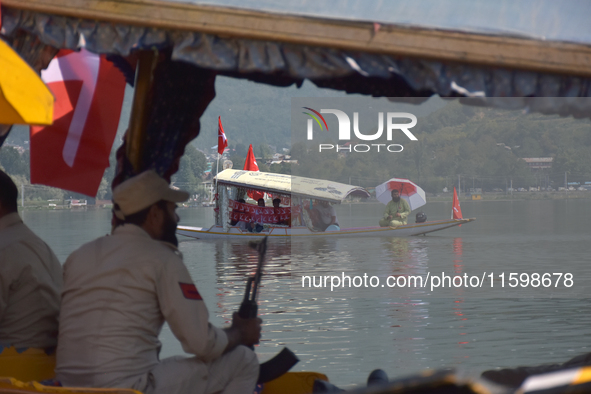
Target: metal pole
(217, 170)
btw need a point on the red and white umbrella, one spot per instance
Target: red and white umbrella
(413, 194)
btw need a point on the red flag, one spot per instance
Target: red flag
(222, 140)
(73, 153)
(456, 211)
(251, 165)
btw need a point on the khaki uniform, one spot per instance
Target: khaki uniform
(30, 287)
(392, 208)
(118, 291)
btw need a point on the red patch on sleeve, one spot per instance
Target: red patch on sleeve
(190, 291)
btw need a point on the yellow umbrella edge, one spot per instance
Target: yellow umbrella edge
(24, 98)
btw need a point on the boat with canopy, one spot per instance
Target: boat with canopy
(296, 194)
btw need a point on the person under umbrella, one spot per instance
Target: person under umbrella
(397, 211)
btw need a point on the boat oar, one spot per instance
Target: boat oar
(285, 359)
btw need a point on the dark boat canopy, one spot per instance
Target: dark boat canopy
(453, 48)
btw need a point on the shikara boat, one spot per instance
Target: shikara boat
(296, 192)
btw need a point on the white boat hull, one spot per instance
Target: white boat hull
(218, 232)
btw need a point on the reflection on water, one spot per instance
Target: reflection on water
(349, 331)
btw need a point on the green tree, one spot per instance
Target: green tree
(264, 151)
(192, 165)
(198, 161)
(13, 162)
(240, 149)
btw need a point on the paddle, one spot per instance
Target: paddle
(285, 359)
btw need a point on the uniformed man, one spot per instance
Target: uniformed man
(120, 289)
(397, 211)
(30, 287)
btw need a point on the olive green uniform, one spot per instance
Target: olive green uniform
(392, 208)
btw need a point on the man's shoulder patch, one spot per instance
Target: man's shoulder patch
(190, 291)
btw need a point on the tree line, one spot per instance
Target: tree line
(483, 146)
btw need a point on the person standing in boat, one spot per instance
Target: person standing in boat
(397, 211)
(120, 289)
(30, 287)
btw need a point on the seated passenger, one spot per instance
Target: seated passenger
(396, 212)
(322, 215)
(277, 211)
(276, 202)
(30, 288)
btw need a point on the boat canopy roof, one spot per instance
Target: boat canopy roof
(408, 48)
(288, 184)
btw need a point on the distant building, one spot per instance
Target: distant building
(539, 163)
(18, 148)
(280, 159)
(77, 203)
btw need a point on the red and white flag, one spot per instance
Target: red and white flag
(73, 152)
(456, 211)
(222, 140)
(251, 165)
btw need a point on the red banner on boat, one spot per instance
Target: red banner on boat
(251, 213)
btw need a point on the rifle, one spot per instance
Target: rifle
(285, 359)
(249, 308)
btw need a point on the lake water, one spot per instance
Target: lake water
(347, 332)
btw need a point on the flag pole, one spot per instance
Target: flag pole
(222, 143)
(217, 170)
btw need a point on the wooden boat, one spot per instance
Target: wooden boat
(218, 232)
(294, 191)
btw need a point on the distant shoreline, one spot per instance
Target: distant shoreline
(444, 197)
(516, 196)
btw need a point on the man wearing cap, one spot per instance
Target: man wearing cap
(397, 211)
(120, 289)
(30, 287)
